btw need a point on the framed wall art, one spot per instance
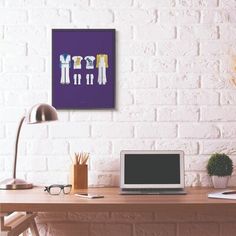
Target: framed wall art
(83, 68)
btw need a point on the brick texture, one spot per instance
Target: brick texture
(193, 229)
(168, 221)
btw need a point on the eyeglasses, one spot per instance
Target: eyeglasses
(55, 189)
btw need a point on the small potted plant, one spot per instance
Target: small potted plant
(220, 168)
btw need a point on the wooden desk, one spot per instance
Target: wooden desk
(166, 215)
(36, 200)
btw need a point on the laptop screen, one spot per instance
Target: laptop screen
(152, 168)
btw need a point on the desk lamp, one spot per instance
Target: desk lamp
(39, 113)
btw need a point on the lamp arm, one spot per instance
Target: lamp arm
(16, 145)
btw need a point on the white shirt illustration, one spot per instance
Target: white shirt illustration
(89, 62)
(65, 63)
(102, 64)
(77, 62)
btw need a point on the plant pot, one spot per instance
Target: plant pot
(220, 181)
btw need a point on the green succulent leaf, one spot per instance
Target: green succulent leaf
(219, 164)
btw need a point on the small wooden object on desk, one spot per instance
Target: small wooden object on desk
(79, 177)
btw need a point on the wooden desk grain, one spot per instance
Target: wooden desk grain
(36, 200)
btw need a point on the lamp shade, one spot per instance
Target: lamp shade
(41, 113)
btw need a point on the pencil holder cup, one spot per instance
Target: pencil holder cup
(79, 177)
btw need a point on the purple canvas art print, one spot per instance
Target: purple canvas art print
(83, 68)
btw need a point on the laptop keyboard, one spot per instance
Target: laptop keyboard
(152, 191)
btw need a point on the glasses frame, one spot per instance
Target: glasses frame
(48, 188)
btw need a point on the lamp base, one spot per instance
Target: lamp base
(13, 184)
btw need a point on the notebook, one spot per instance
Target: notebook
(152, 172)
(226, 194)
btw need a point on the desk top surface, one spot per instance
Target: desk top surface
(36, 200)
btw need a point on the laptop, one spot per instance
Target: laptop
(152, 172)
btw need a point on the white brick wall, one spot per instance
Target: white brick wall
(174, 63)
(170, 221)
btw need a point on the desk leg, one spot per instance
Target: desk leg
(18, 223)
(2, 225)
(2, 233)
(25, 233)
(34, 229)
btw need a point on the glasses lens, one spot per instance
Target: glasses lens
(55, 190)
(67, 189)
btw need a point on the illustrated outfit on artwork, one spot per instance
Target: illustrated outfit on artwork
(89, 79)
(102, 64)
(65, 64)
(77, 62)
(77, 79)
(89, 62)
